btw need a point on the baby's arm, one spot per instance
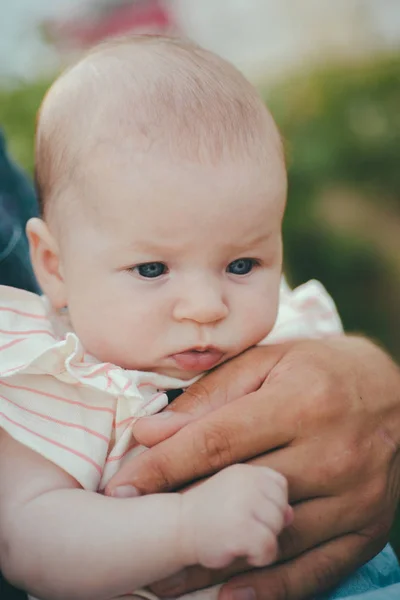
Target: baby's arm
(59, 541)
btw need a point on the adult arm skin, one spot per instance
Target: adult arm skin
(326, 414)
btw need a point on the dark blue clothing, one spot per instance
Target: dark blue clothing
(17, 204)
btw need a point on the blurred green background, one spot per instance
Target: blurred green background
(341, 126)
(342, 131)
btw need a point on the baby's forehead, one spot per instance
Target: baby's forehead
(157, 190)
(199, 212)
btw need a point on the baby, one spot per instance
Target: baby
(162, 182)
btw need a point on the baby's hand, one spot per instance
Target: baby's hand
(236, 513)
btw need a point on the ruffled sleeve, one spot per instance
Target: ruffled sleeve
(60, 402)
(308, 311)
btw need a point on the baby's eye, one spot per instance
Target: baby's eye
(241, 266)
(151, 270)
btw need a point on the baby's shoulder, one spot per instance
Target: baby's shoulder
(16, 304)
(25, 327)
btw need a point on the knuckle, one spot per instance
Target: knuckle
(321, 404)
(215, 446)
(247, 483)
(377, 535)
(279, 587)
(337, 465)
(199, 396)
(283, 484)
(268, 474)
(326, 573)
(373, 498)
(159, 473)
(320, 392)
(344, 458)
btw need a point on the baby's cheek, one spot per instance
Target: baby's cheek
(95, 332)
(261, 320)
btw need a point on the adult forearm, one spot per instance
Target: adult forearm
(76, 544)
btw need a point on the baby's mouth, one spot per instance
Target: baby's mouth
(196, 359)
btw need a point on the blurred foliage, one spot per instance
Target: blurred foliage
(342, 226)
(18, 108)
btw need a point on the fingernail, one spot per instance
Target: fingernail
(241, 593)
(289, 516)
(125, 491)
(172, 586)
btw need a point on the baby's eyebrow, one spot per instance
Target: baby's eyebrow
(147, 246)
(148, 250)
(251, 241)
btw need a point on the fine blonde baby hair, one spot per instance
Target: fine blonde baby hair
(154, 92)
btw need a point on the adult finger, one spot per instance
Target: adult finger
(251, 426)
(236, 378)
(196, 578)
(216, 440)
(150, 431)
(315, 522)
(311, 573)
(315, 470)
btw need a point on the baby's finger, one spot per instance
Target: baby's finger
(270, 515)
(274, 486)
(264, 548)
(272, 477)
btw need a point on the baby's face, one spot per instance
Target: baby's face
(174, 268)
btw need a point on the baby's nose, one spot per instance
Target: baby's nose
(203, 306)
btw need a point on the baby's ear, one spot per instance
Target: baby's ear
(45, 257)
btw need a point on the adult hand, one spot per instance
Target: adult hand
(326, 414)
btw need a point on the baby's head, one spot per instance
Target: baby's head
(162, 184)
